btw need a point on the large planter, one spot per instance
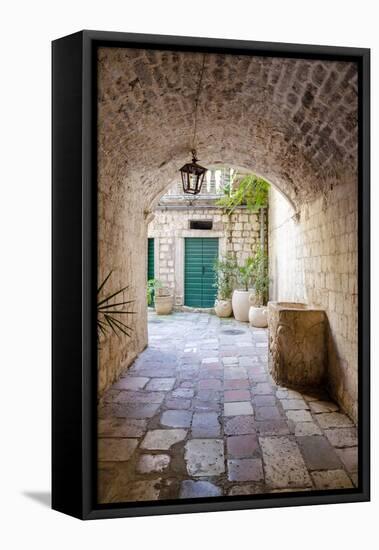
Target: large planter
(241, 305)
(223, 308)
(297, 344)
(258, 316)
(164, 305)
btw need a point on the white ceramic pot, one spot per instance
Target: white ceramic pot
(258, 317)
(223, 308)
(164, 305)
(241, 305)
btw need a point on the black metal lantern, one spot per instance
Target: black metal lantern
(192, 176)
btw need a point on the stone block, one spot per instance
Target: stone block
(204, 457)
(245, 469)
(198, 489)
(333, 479)
(318, 453)
(284, 465)
(116, 450)
(162, 439)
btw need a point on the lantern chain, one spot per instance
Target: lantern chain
(193, 150)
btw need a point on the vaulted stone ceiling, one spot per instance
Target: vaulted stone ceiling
(293, 121)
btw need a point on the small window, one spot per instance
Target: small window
(201, 224)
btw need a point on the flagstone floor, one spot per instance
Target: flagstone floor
(197, 415)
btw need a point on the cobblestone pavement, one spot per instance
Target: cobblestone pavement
(197, 415)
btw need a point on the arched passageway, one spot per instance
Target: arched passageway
(292, 121)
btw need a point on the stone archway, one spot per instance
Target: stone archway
(294, 121)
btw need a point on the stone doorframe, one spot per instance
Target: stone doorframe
(179, 257)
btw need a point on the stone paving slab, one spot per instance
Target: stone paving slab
(137, 491)
(342, 437)
(197, 415)
(323, 406)
(318, 453)
(272, 427)
(246, 489)
(135, 410)
(177, 403)
(120, 427)
(284, 465)
(264, 400)
(246, 469)
(299, 416)
(164, 384)
(131, 383)
(242, 446)
(333, 420)
(294, 404)
(236, 395)
(205, 457)
(267, 413)
(162, 439)
(349, 458)
(128, 396)
(236, 384)
(198, 489)
(120, 449)
(152, 463)
(262, 388)
(176, 418)
(240, 425)
(332, 479)
(307, 428)
(205, 424)
(238, 408)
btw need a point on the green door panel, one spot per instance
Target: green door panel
(200, 254)
(150, 259)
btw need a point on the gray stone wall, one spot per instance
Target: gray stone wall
(238, 233)
(122, 234)
(313, 259)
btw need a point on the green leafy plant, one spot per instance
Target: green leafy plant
(152, 287)
(109, 311)
(225, 275)
(251, 191)
(260, 276)
(245, 273)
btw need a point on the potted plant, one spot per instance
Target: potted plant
(225, 271)
(164, 300)
(152, 286)
(240, 299)
(258, 298)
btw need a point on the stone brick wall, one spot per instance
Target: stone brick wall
(313, 258)
(121, 227)
(238, 233)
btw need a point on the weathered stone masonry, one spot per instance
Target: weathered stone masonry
(320, 268)
(293, 121)
(238, 233)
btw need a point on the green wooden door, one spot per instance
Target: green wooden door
(150, 259)
(200, 254)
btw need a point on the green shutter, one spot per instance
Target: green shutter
(200, 254)
(150, 259)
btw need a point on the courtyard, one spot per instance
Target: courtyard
(197, 415)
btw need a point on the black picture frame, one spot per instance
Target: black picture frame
(74, 366)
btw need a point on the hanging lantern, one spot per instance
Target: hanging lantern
(192, 176)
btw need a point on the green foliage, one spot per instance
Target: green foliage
(251, 191)
(152, 286)
(225, 275)
(245, 273)
(109, 311)
(260, 275)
